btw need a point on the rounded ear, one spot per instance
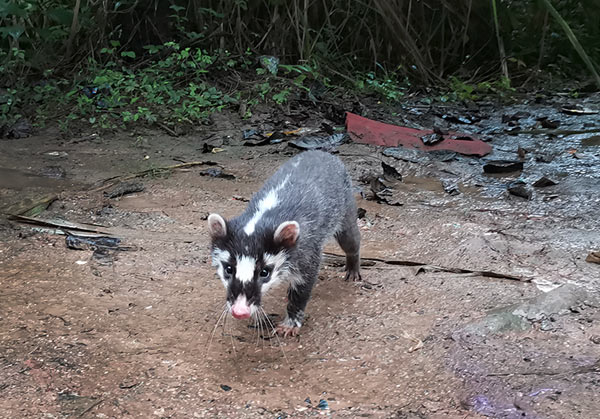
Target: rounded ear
(217, 226)
(287, 233)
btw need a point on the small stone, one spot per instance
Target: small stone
(546, 326)
(323, 405)
(225, 387)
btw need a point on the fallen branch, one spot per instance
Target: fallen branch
(107, 183)
(426, 266)
(90, 407)
(59, 224)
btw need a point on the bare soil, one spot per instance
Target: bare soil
(127, 335)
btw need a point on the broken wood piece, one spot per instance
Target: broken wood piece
(63, 225)
(426, 266)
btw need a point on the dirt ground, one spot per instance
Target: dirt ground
(127, 334)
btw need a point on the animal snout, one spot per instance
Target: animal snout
(240, 309)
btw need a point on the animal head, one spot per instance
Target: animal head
(250, 264)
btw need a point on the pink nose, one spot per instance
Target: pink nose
(240, 313)
(240, 309)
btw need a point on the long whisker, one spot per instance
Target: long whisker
(230, 335)
(212, 335)
(255, 319)
(274, 332)
(262, 329)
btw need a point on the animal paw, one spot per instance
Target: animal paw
(353, 276)
(285, 330)
(290, 326)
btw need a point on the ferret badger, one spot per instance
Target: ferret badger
(280, 236)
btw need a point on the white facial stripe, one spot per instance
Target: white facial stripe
(244, 270)
(270, 201)
(279, 272)
(220, 256)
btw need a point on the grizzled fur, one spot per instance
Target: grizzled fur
(313, 190)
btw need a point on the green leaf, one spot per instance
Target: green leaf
(14, 31)
(115, 43)
(176, 8)
(11, 9)
(61, 16)
(129, 54)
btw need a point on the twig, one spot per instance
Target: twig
(90, 407)
(166, 128)
(489, 274)
(106, 183)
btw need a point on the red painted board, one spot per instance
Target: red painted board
(367, 131)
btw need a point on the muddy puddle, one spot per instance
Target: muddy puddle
(429, 333)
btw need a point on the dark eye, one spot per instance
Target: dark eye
(265, 272)
(228, 269)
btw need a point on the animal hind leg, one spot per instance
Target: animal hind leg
(349, 240)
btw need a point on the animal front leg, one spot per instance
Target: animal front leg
(298, 297)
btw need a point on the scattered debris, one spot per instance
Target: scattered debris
(53, 172)
(459, 119)
(124, 188)
(520, 189)
(418, 342)
(544, 182)
(425, 267)
(451, 187)
(61, 226)
(545, 157)
(107, 183)
(593, 257)
(103, 247)
(57, 153)
(382, 192)
(20, 129)
(77, 242)
(515, 116)
(591, 141)
(502, 166)
(578, 110)
(216, 172)
(548, 124)
(367, 131)
(390, 172)
(31, 208)
(319, 143)
(225, 387)
(521, 316)
(323, 405)
(432, 139)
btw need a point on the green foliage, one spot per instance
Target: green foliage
(48, 61)
(460, 90)
(387, 87)
(172, 89)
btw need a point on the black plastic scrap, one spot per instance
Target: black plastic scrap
(124, 188)
(316, 143)
(519, 189)
(502, 166)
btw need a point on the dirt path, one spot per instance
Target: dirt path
(127, 335)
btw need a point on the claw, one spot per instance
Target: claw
(353, 276)
(285, 330)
